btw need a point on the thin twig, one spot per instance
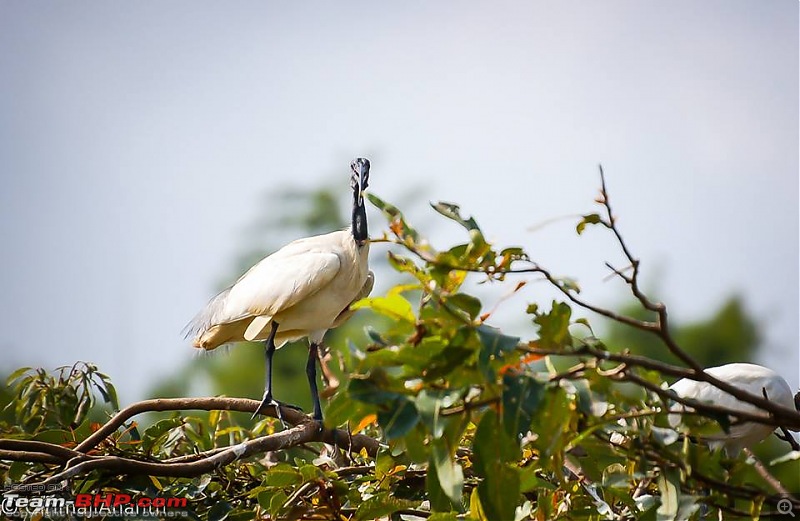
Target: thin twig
(764, 473)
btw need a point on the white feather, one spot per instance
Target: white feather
(752, 378)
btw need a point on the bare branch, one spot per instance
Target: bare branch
(764, 473)
(218, 403)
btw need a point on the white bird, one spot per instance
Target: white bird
(301, 290)
(752, 378)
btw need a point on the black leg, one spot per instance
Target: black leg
(267, 400)
(269, 351)
(311, 373)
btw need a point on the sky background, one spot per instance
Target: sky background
(139, 142)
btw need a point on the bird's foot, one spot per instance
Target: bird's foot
(269, 401)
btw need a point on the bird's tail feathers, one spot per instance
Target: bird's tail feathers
(208, 316)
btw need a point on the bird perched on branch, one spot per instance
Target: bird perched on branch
(300, 291)
(752, 378)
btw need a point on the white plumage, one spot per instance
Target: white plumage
(304, 287)
(752, 378)
(301, 290)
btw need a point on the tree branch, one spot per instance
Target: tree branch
(77, 461)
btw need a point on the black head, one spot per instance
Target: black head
(797, 401)
(359, 180)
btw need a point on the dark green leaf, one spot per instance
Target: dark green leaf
(492, 443)
(452, 211)
(400, 418)
(499, 491)
(365, 390)
(219, 511)
(530, 481)
(380, 505)
(342, 409)
(521, 397)
(466, 303)
(417, 449)
(494, 344)
(430, 404)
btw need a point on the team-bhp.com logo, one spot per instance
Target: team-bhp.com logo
(15, 504)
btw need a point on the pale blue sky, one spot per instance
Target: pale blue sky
(137, 141)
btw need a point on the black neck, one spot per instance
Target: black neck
(360, 233)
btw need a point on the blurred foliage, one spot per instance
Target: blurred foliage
(475, 424)
(728, 335)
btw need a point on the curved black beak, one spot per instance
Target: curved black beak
(360, 178)
(359, 181)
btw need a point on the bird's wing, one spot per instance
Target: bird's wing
(278, 283)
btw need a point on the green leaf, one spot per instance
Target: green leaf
(310, 473)
(439, 500)
(448, 471)
(380, 505)
(277, 502)
(389, 210)
(453, 212)
(283, 475)
(265, 497)
(669, 487)
(494, 344)
(365, 390)
(16, 374)
(499, 492)
(406, 265)
(491, 443)
(219, 511)
(591, 218)
(55, 436)
(394, 306)
(468, 303)
(521, 397)
(399, 419)
(554, 326)
(430, 404)
(443, 516)
(17, 470)
(160, 429)
(415, 445)
(530, 481)
(342, 408)
(110, 392)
